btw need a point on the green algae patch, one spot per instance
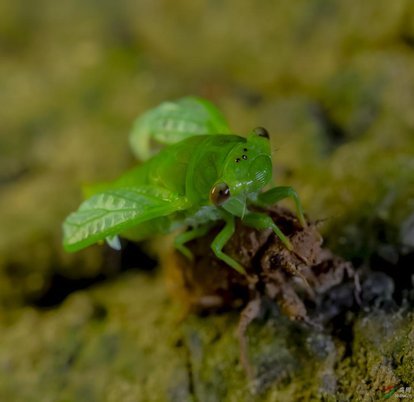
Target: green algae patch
(72, 101)
(382, 357)
(336, 94)
(117, 342)
(125, 340)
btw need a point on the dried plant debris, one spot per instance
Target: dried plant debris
(207, 284)
(292, 279)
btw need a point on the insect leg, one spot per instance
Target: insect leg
(279, 193)
(114, 242)
(220, 241)
(262, 221)
(187, 236)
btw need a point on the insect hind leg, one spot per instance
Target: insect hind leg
(187, 236)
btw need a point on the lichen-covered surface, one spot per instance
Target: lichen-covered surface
(124, 341)
(334, 84)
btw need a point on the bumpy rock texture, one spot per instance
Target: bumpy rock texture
(334, 84)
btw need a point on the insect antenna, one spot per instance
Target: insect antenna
(319, 222)
(273, 150)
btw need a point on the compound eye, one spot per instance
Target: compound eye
(219, 194)
(261, 132)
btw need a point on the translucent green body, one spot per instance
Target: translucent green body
(192, 183)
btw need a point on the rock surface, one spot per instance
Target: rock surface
(334, 84)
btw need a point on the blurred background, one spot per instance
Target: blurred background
(333, 81)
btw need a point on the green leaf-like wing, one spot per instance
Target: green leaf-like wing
(111, 212)
(171, 122)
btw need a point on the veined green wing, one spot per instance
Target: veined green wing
(172, 122)
(113, 211)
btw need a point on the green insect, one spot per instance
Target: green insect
(192, 184)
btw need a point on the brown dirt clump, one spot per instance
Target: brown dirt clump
(208, 284)
(291, 278)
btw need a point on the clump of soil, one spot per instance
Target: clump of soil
(208, 284)
(293, 279)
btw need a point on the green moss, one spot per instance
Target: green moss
(380, 357)
(118, 342)
(332, 81)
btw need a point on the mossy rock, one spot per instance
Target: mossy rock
(332, 81)
(126, 341)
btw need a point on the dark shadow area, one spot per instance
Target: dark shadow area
(407, 40)
(14, 176)
(333, 132)
(130, 258)
(400, 274)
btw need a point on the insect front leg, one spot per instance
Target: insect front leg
(261, 221)
(220, 241)
(187, 236)
(279, 193)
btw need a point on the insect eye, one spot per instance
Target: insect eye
(261, 132)
(219, 194)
